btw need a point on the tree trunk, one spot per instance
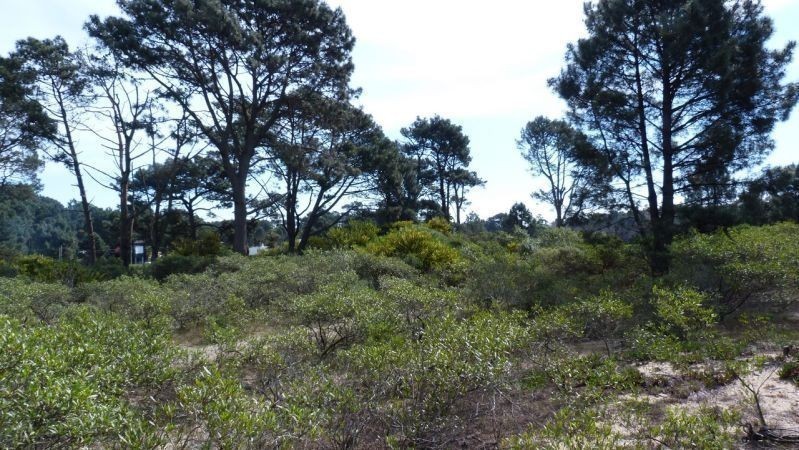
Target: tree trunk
(239, 215)
(155, 228)
(88, 224)
(192, 221)
(124, 225)
(658, 254)
(664, 228)
(443, 194)
(558, 215)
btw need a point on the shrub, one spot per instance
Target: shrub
(418, 247)
(173, 264)
(48, 270)
(108, 269)
(705, 429)
(25, 300)
(138, 299)
(682, 311)
(356, 233)
(229, 416)
(419, 379)
(262, 281)
(67, 385)
(741, 263)
(570, 429)
(195, 298)
(683, 329)
(439, 224)
(208, 244)
(371, 268)
(589, 378)
(505, 279)
(790, 371)
(336, 316)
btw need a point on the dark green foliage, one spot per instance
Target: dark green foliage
(47, 270)
(173, 264)
(23, 123)
(677, 97)
(196, 51)
(772, 197)
(441, 153)
(790, 371)
(30, 223)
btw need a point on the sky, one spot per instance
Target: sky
(483, 65)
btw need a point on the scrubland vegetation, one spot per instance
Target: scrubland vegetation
(659, 309)
(412, 336)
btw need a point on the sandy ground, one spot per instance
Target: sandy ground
(779, 399)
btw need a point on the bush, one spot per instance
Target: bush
(356, 233)
(741, 263)
(48, 270)
(173, 264)
(26, 301)
(570, 429)
(439, 224)
(336, 316)
(138, 299)
(195, 298)
(208, 244)
(418, 247)
(705, 429)
(682, 331)
(420, 378)
(229, 416)
(67, 385)
(790, 371)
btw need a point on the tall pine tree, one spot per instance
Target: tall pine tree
(671, 91)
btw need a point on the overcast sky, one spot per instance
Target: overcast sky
(484, 65)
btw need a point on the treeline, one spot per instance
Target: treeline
(246, 106)
(249, 106)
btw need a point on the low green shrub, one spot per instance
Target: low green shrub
(336, 316)
(439, 224)
(173, 264)
(418, 379)
(196, 299)
(140, 300)
(587, 379)
(356, 233)
(741, 263)
(68, 384)
(790, 371)
(229, 416)
(418, 247)
(570, 429)
(207, 244)
(704, 429)
(31, 301)
(48, 270)
(683, 330)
